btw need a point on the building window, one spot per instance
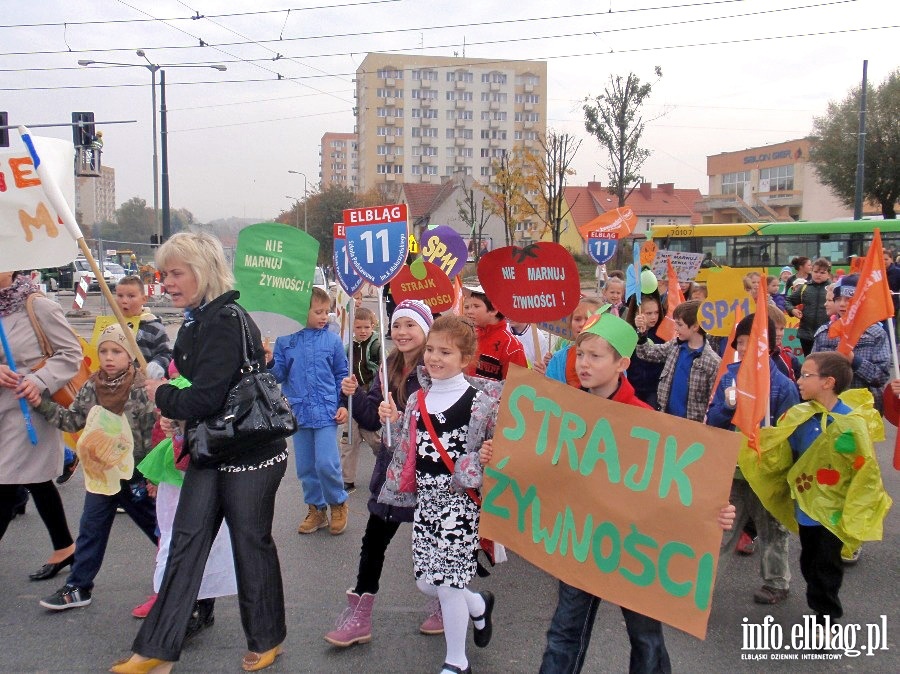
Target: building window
(459, 76)
(493, 134)
(528, 98)
(390, 73)
(650, 222)
(425, 74)
(496, 115)
(781, 178)
(733, 183)
(493, 78)
(390, 112)
(532, 80)
(424, 94)
(671, 221)
(527, 116)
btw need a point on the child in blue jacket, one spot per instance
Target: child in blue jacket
(310, 365)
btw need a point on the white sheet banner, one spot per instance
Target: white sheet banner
(32, 235)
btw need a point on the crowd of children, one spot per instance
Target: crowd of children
(429, 419)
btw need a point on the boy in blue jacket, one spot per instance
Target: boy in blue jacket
(773, 538)
(310, 365)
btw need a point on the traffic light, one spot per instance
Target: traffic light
(82, 128)
(4, 133)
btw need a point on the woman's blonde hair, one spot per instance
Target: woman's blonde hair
(202, 253)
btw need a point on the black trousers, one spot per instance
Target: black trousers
(246, 500)
(820, 563)
(806, 345)
(375, 541)
(49, 506)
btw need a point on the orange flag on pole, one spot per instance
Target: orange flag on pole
(753, 377)
(666, 329)
(729, 356)
(870, 304)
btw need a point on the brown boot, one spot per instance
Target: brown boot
(315, 519)
(339, 518)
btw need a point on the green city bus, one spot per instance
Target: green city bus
(774, 244)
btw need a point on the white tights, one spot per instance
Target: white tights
(457, 606)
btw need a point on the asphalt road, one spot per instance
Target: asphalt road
(317, 569)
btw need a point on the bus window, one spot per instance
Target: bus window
(717, 250)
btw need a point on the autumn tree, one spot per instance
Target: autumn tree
(474, 210)
(135, 222)
(506, 192)
(323, 209)
(547, 171)
(834, 145)
(615, 118)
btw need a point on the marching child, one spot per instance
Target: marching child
(151, 335)
(561, 366)
(117, 417)
(685, 385)
(436, 467)
(310, 365)
(643, 374)
(496, 347)
(833, 492)
(614, 294)
(603, 352)
(773, 538)
(364, 353)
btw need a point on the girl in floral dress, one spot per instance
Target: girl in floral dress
(435, 467)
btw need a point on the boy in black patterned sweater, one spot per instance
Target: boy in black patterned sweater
(151, 335)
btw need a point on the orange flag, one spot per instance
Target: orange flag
(666, 329)
(729, 356)
(870, 303)
(753, 377)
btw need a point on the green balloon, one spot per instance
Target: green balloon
(648, 282)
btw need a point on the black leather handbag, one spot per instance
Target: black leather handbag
(255, 412)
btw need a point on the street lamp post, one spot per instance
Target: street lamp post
(162, 217)
(296, 212)
(305, 198)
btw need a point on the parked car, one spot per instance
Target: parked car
(116, 272)
(81, 268)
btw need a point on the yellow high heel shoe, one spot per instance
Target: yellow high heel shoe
(145, 666)
(255, 661)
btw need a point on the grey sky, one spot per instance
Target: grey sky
(232, 141)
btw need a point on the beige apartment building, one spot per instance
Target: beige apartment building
(95, 197)
(422, 118)
(768, 184)
(338, 160)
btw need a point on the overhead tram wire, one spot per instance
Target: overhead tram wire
(461, 62)
(391, 31)
(502, 41)
(59, 24)
(255, 65)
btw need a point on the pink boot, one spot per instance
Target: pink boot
(434, 623)
(354, 626)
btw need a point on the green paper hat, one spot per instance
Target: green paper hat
(619, 333)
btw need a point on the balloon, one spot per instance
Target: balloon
(648, 282)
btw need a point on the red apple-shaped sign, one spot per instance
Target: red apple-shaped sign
(424, 281)
(536, 283)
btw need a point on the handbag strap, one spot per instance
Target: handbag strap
(44, 343)
(448, 462)
(245, 333)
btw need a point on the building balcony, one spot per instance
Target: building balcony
(459, 141)
(425, 121)
(425, 84)
(529, 88)
(425, 103)
(495, 86)
(426, 178)
(459, 84)
(494, 123)
(391, 102)
(390, 177)
(529, 107)
(389, 158)
(459, 160)
(425, 159)
(390, 82)
(460, 104)
(390, 121)
(460, 122)
(426, 141)
(390, 140)
(528, 125)
(494, 105)
(781, 197)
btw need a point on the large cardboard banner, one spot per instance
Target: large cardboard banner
(616, 500)
(726, 291)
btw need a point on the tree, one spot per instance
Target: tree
(506, 192)
(835, 138)
(615, 118)
(323, 209)
(546, 173)
(135, 221)
(475, 214)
